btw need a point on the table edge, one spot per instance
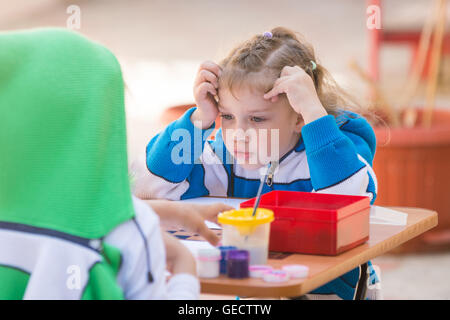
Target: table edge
(298, 289)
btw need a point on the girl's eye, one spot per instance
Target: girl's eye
(226, 116)
(257, 119)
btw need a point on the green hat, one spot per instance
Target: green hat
(63, 155)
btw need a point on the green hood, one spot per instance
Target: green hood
(63, 156)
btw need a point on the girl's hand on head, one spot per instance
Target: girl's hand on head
(205, 89)
(300, 91)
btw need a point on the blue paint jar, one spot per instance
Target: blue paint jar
(223, 260)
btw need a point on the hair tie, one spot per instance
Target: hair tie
(268, 35)
(314, 65)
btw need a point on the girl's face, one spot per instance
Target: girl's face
(255, 130)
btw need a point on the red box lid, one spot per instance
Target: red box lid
(310, 205)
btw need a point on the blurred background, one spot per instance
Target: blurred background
(393, 55)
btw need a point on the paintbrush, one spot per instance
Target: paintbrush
(270, 171)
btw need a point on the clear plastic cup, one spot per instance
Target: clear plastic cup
(247, 232)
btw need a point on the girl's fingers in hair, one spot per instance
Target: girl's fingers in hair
(287, 70)
(205, 87)
(281, 80)
(277, 83)
(206, 75)
(212, 67)
(276, 90)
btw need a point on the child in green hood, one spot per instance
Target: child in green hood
(69, 226)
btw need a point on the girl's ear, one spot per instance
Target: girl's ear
(299, 124)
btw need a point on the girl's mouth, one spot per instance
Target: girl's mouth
(242, 155)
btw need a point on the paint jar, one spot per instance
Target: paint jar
(237, 264)
(276, 276)
(296, 270)
(247, 232)
(257, 271)
(223, 259)
(208, 263)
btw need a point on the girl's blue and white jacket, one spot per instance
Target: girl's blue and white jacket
(333, 155)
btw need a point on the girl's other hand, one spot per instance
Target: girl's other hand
(300, 91)
(205, 90)
(189, 216)
(193, 218)
(178, 258)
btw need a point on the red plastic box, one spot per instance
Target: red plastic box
(315, 223)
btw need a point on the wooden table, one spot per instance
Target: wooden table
(323, 269)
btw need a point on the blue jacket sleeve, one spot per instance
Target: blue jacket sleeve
(172, 153)
(340, 159)
(175, 170)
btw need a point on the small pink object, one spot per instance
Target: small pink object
(276, 276)
(258, 271)
(296, 270)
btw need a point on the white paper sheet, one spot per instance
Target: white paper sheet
(195, 245)
(381, 215)
(210, 200)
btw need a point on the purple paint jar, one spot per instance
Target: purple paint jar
(223, 260)
(237, 264)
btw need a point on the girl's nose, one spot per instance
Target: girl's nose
(240, 135)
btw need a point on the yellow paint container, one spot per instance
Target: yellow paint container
(247, 232)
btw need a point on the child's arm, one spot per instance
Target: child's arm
(137, 255)
(177, 158)
(181, 264)
(340, 160)
(174, 167)
(189, 216)
(338, 163)
(178, 257)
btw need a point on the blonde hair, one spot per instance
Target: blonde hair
(258, 62)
